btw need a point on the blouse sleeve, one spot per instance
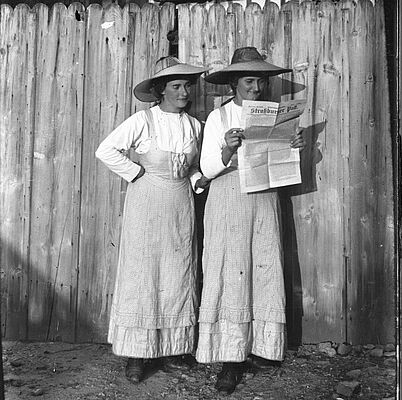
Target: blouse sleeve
(212, 145)
(112, 149)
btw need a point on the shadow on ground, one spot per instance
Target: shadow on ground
(61, 371)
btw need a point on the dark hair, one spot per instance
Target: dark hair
(159, 84)
(158, 87)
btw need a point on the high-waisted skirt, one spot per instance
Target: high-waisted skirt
(243, 297)
(154, 308)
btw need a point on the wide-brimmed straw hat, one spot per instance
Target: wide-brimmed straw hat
(164, 67)
(244, 60)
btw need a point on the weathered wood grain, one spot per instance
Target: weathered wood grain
(151, 43)
(216, 54)
(133, 14)
(105, 100)
(319, 213)
(66, 80)
(196, 56)
(370, 271)
(166, 24)
(324, 241)
(17, 88)
(254, 26)
(55, 196)
(270, 27)
(184, 25)
(385, 200)
(345, 150)
(235, 27)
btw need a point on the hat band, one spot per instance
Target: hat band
(166, 62)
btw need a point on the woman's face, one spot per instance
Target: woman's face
(175, 96)
(249, 88)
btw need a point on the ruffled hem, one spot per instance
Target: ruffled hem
(128, 320)
(225, 341)
(151, 343)
(240, 316)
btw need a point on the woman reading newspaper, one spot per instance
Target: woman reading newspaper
(242, 309)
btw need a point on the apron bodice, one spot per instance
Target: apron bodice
(166, 164)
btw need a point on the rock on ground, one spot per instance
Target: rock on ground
(61, 371)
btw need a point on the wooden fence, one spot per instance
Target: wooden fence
(339, 224)
(66, 79)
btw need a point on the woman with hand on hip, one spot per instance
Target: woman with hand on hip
(243, 297)
(155, 300)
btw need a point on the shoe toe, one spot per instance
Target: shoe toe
(134, 371)
(176, 363)
(226, 382)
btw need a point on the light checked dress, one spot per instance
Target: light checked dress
(242, 308)
(154, 309)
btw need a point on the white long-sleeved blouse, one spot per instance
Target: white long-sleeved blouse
(214, 139)
(178, 131)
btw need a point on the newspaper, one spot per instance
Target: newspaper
(265, 157)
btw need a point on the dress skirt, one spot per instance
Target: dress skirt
(155, 301)
(243, 299)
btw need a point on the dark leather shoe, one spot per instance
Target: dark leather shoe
(229, 377)
(135, 370)
(177, 363)
(263, 363)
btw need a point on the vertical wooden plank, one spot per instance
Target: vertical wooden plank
(134, 30)
(216, 42)
(196, 56)
(272, 25)
(104, 108)
(17, 83)
(41, 268)
(71, 78)
(133, 14)
(56, 172)
(345, 150)
(360, 273)
(254, 25)
(216, 55)
(371, 265)
(187, 47)
(326, 316)
(318, 214)
(166, 24)
(147, 48)
(184, 26)
(232, 27)
(282, 39)
(235, 28)
(279, 54)
(383, 181)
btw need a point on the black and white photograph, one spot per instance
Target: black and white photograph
(200, 200)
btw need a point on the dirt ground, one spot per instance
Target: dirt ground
(61, 371)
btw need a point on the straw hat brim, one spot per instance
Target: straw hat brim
(226, 74)
(143, 90)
